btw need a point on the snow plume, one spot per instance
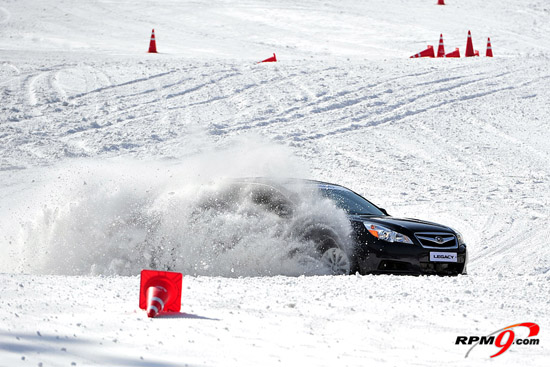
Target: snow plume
(193, 216)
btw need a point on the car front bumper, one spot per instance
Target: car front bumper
(398, 258)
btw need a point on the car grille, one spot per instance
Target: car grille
(438, 240)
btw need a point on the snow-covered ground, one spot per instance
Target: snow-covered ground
(100, 142)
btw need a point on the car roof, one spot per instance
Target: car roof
(286, 181)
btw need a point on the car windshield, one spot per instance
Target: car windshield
(349, 201)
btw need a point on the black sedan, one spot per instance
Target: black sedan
(380, 242)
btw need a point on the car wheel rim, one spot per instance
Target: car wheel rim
(337, 261)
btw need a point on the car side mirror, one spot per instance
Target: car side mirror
(383, 211)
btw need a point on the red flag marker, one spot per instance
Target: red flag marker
(160, 291)
(269, 59)
(429, 52)
(455, 53)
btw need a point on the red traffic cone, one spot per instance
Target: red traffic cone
(440, 2)
(455, 53)
(469, 46)
(441, 48)
(489, 52)
(269, 59)
(429, 52)
(160, 291)
(476, 53)
(153, 43)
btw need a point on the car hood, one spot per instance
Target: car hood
(409, 224)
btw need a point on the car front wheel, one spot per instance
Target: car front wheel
(337, 261)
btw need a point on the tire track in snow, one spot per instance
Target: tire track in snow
(57, 85)
(201, 93)
(200, 86)
(382, 107)
(505, 241)
(100, 76)
(12, 67)
(326, 103)
(41, 87)
(393, 117)
(149, 106)
(255, 94)
(5, 15)
(392, 114)
(115, 115)
(154, 78)
(333, 102)
(289, 107)
(289, 110)
(124, 84)
(160, 94)
(32, 89)
(139, 108)
(13, 83)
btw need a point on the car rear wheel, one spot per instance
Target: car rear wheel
(337, 261)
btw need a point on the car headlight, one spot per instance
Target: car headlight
(459, 237)
(386, 234)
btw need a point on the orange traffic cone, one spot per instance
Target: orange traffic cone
(153, 44)
(440, 2)
(455, 53)
(469, 46)
(489, 52)
(441, 48)
(269, 59)
(157, 297)
(160, 291)
(429, 52)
